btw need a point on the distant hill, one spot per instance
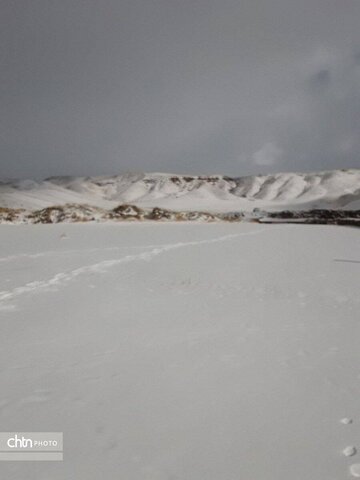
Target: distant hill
(337, 189)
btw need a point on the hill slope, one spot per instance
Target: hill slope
(331, 189)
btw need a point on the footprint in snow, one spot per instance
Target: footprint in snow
(349, 451)
(355, 470)
(346, 421)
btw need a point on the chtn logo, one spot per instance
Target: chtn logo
(17, 442)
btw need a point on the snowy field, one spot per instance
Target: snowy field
(182, 352)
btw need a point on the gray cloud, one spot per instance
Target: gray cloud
(269, 154)
(320, 80)
(192, 86)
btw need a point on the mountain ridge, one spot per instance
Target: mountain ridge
(333, 189)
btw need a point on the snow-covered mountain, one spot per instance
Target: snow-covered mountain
(335, 189)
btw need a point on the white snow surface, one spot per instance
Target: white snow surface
(331, 189)
(177, 351)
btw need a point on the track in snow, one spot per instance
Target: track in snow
(62, 278)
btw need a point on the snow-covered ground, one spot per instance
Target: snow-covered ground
(182, 352)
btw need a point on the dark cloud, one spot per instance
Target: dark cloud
(195, 86)
(320, 80)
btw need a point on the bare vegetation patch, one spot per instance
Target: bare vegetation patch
(74, 213)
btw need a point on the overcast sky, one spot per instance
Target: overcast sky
(237, 87)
